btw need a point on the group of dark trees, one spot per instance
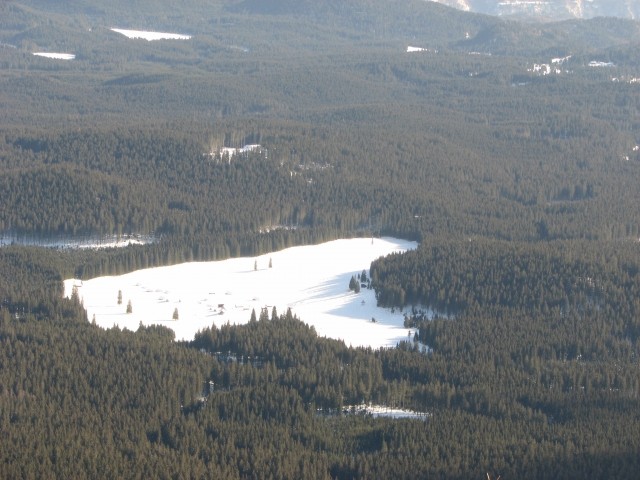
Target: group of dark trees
(523, 296)
(266, 399)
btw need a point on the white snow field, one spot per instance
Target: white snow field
(384, 411)
(56, 56)
(311, 280)
(149, 36)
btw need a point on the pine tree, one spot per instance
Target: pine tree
(119, 297)
(75, 297)
(129, 307)
(176, 316)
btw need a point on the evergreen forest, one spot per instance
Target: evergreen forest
(510, 151)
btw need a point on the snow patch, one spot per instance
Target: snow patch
(544, 69)
(312, 280)
(598, 64)
(384, 411)
(561, 60)
(150, 36)
(411, 49)
(235, 151)
(79, 242)
(54, 55)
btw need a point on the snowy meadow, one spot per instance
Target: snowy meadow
(311, 280)
(149, 35)
(55, 55)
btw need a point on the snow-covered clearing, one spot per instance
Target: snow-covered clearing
(599, 64)
(384, 411)
(57, 56)
(149, 36)
(89, 242)
(234, 151)
(311, 280)
(411, 49)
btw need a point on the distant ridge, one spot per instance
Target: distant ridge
(549, 10)
(392, 23)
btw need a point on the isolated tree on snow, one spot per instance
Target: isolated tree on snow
(119, 297)
(176, 316)
(270, 263)
(255, 265)
(353, 283)
(129, 307)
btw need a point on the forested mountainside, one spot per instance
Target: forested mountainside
(509, 150)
